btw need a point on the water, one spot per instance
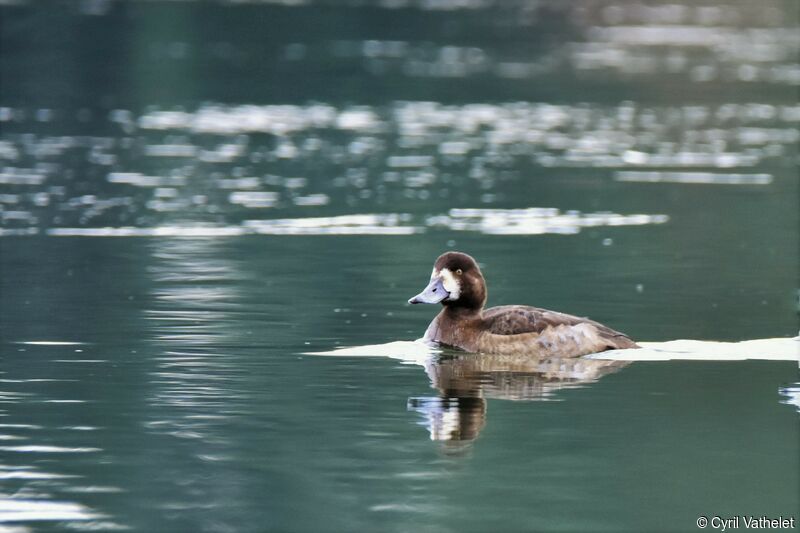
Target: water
(197, 196)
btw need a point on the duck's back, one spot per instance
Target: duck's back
(519, 328)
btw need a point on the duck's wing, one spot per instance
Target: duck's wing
(520, 319)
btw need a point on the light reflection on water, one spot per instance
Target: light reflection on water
(195, 376)
(31, 467)
(274, 161)
(24, 510)
(632, 161)
(196, 383)
(531, 221)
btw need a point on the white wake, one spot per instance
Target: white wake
(777, 349)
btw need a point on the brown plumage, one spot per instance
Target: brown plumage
(457, 282)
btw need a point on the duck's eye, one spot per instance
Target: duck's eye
(459, 272)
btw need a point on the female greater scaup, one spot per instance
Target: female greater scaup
(457, 283)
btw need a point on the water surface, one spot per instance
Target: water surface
(195, 196)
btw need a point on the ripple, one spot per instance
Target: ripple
(357, 159)
(160, 231)
(525, 221)
(18, 232)
(35, 380)
(391, 224)
(694, 178)
(93, 489)
(21, 176)
(48, 449)
(535, 221)
(19, 510)
(194, 385)
(52, 343)
(254, 199)
(139, 180)
(80, 360)
(29, 475)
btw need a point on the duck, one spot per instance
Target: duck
(458, 284)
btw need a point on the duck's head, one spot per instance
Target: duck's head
(456, 282)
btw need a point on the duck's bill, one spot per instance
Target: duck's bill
(433, 293)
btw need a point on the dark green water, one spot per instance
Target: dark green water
(194, 195)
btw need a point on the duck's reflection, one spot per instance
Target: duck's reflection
(465, 381)
(451, 419)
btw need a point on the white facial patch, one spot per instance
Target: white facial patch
(451, 284)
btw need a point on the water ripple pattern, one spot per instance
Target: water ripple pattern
(228, 170)
(195, 297)
(196, 378)
(45, 443)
